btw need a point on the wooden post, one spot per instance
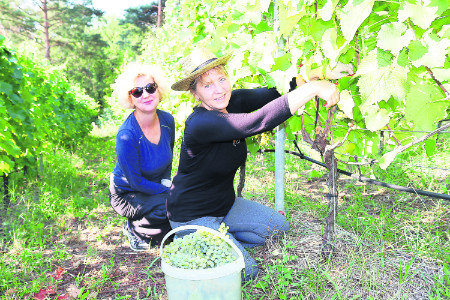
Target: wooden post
(328, 237)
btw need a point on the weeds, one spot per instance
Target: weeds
(388, 243)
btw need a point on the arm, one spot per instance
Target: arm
(204, 127)
(248, 100)
(168, 172)
(127, 149)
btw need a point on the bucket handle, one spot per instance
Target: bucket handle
(210, 230)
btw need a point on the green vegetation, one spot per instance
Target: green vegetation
(389, 244)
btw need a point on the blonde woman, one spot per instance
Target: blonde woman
(140, 181)
(214, 147)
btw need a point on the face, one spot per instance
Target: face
(146, 102)
(213, 90)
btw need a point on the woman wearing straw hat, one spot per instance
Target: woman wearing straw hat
(214, 147)
(140, 181)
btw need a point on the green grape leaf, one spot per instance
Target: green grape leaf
(376, 118)
(430, 146)
(442, 5)
(282, 78)
(346, 103)
(419, 14)
(416, 50)
(282, 62)
(436, 55)
(384, 58)
(422, 106)
(318, 27)
(383, 83)
(329, 46)
(6, 164)
(402, 58)
(348, 56)
(394, 37)
(387, 159)
(6, 88)
(326, 12)
(353, 15)
(288, 18)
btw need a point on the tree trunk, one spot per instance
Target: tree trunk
(46, 27)
(158, 24)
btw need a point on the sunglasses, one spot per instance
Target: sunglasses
(137, 91)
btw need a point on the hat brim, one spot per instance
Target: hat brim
(183, 84)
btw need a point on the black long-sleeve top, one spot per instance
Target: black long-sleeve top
(214, 147)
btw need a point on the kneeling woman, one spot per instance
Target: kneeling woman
(140, 181)
(214, 147)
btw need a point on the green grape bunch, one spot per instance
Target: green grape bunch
(199, 250)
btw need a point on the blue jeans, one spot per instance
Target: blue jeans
(250, 224)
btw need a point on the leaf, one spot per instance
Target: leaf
(402, 58)
(326, 12)
(353, 15)
(73, 291)
(376, 118)
(329, 46)
(384, 58)
(394, 37)
(416, 50)
(282, 62)
(289, 17)
(6, 88)
(346, 103)
(44, 293)
(419, 14)
(422, 107)
(387, 159)
(382, 84)
(430, 146)
(282, 78)
(437, 52)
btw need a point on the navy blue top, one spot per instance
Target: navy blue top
(141, 164)
(214, 147)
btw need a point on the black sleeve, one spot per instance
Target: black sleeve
(205, 126)
(248, 100)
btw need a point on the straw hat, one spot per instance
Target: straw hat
(198, 62)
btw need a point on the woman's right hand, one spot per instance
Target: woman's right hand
(327, 91)
(304, 93)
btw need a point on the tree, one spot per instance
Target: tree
(144, 16)
(50, 23)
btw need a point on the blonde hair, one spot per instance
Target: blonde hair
(126, 81)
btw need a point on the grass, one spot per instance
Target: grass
(389, 245)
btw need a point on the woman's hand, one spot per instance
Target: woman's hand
(327, 91)
(321, 88)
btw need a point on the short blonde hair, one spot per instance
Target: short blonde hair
(126, 81)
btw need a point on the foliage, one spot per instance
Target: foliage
(143, 16)
(38, 109)
(391, 46)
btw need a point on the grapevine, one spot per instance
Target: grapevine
(199, 250)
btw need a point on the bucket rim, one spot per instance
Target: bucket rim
(202, 274)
